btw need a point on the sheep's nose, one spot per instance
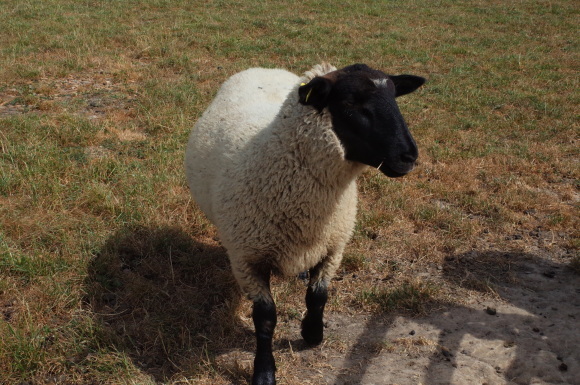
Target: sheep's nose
(409, 157)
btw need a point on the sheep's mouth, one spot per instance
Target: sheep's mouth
(392, 173)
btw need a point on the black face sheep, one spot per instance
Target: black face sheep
(273, 162)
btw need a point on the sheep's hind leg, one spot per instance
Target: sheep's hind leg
(316, 297)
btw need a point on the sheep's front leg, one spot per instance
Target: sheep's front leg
(264, 316)
(255, 282)
(316, 297)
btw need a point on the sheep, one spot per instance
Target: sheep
(273, 164)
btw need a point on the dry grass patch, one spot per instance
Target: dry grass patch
(409, 297)
(408, 345)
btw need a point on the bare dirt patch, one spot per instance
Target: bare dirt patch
(93, 94)
(526, 333)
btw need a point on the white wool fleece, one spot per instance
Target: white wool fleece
(270, 173)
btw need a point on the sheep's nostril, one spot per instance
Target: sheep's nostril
(408, 157)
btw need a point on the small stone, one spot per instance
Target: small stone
(550, 274)
(372, 235)
(508, 344)
(412, 332)
(563, 367)
(536, 330)
(446, 353)
(491, 311)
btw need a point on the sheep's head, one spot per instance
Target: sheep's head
(365, 115)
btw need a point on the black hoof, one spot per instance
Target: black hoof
(312, 331)
(264, 378)
(264, 369)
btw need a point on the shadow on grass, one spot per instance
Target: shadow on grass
(534, 288)
(166, 300)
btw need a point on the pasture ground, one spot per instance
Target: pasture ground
(109, 274)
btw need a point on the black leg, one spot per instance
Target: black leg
(264, 316)
(312, 325)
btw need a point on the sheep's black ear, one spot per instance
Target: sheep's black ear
(315, 93)
(405, 84)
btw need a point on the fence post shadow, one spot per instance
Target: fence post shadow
(515, 276)
(524, 282)
(359, 355)
(165, 300)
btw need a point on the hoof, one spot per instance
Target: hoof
(264, 378)
(312, 332)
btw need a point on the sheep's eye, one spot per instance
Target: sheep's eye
(348, 104)
(364, 112)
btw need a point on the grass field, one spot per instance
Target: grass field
(108, 272)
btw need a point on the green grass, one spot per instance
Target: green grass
(410, 297)
(97, 230)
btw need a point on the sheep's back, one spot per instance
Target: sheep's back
(245, 104)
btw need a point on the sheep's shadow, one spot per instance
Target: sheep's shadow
(166, 300)
(515, 277)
